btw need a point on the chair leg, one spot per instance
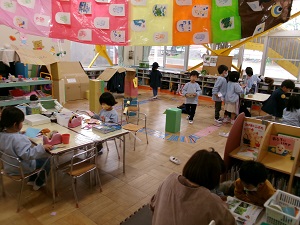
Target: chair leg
(146, 134)
(134, 141)
(20, 195)
(98, 178)
(107, 146)
(117, 148)
(2, 185)
(74, 191)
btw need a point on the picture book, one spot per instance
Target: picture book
(297, 143)
(281, 145)
(248, 152)
(252, 134)
(243, 212)
(107, 127)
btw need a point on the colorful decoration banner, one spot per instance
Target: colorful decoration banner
(144, 22)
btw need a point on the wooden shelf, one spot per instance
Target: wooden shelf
(234, 154)
(25, 83)
(279, 163)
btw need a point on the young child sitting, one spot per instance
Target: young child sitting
(275, 104)
(13, 143)
(291, 114)
(253, 186)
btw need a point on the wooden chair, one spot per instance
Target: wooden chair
(130, 110)
(14, 162)
(141, 124)
(82, 163)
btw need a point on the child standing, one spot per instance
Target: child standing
(107, 114)
(291, 114)
(155, 79)
(253, 186)
(191, 91)
(251, 81)
(13, 143)
(233, 94)
(219, 91)
(275, 104)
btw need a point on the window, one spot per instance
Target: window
(196, 53)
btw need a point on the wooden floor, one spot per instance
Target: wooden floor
(146, 167)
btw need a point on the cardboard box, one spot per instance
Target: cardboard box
(110, 71)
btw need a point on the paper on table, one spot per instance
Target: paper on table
(32, 132)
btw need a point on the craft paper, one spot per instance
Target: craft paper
(117, 9)
(184, 2)
(138, 25)
(255, 6)
(139, 2)
(259, 28)
(200, 11)
(63, 18)
(159, 10)
(201, 38)
(85, 34)
(85, 8)
(42, 20)
(8, 5)
(222, 3)
(161, 37)
(117, 36)
(27, 3)
(32, 132)
(101, 22)
(20, 22)
(184, 25)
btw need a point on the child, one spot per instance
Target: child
(232, 95)
(155, 79)
(18, 145)
(107, 113)
(191, 91)
(291, 114)
(251, 81)
(253, 186)
(275, 104)
(219, 91)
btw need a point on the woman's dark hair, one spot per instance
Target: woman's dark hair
(293, 103)
(222, 68)
(11, 116)
(288, 84)
(234, 76)
(108, 99)
(204, 168)
(252, 172)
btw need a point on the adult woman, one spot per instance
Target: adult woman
(187, 199)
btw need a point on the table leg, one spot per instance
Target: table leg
(124, 153)
(53, 179)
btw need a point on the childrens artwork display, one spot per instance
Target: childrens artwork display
(244, 212)
(281, 145)
(85, 8)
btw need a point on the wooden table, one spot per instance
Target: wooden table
(257, 97)
(76, 141)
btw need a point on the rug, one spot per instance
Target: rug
(142, 216)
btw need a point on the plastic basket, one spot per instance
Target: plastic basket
(277, 217)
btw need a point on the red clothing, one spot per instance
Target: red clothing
(259, 197)
(177, 204)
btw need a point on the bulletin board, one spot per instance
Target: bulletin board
(211, 63)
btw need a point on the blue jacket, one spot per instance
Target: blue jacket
(155, 78)
(234, 90)
(220, 86)
(191, 88)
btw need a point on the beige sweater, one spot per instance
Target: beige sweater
(177, 204)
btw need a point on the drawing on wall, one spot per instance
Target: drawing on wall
(85, 34)
(63, 18)
(138, 25)
(117, 9)
(159, 10)
(8, 5)
(42, 20)
(160, 37)
(27, 3)
(139, 2)
(85, 8)
(117, 36)
(200, 11)
(255, 6)
(222, 3)
(200, 37)
(101, 22)
(20, 22)
(227, 23)
(184, 2)
(259, 28)
(184, 25)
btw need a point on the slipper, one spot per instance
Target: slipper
(224, 134)
(174, 160)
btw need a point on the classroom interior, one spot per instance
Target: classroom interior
(149, 164)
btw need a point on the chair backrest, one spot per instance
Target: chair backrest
(87, 156)
(129, 110)
(11, 161)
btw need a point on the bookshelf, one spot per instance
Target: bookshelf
(272, 161)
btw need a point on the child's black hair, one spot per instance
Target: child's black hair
(252, 172)
(249, 71)
(194, 73)
(293, 103)
(107, 98)
(288, 84)
(233, 76)
(11, 116)
(222, 68)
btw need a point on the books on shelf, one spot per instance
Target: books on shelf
(107, 127)
(244, 213)
(252, 135)
(281, 145)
